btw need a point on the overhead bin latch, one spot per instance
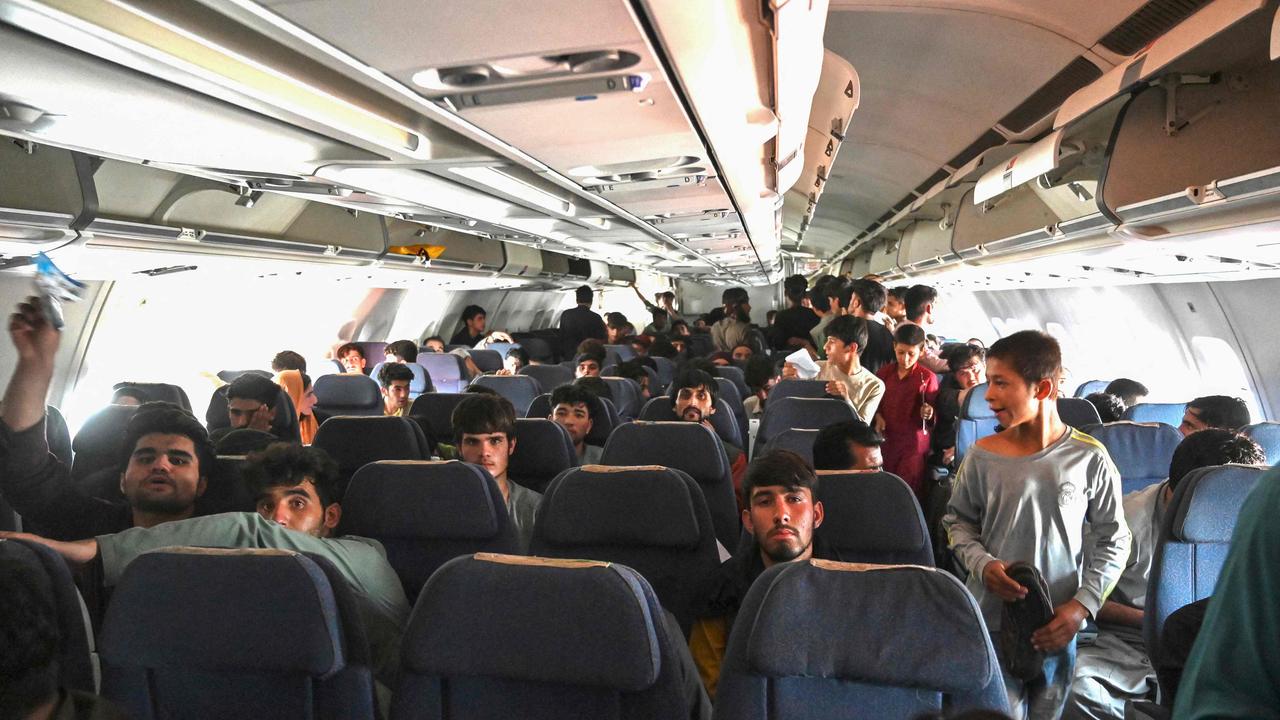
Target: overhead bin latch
(1172, 122)
(1201, 194)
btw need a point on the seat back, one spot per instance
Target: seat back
(626, 396)
(1078, 413)
(445, 370)
(347, 395)
(99, 445)
(1090, 387)
(75, 637)
(543, 451)
(487, 360)
(871, 517)
(496, 636)
(226, 490)
(592, 512)
(1195, 535)
(162, 392)
(797, 388)
(615, 354)
(538, 348)
(666, 370)
(502, 348)
(729, 393)
(230, 376)
(354, 441)
(976, 421)
(374, 351)
(737, 376)
(691, 448)
(324, 366)
(1167, 413)
(1141, 451)
(783, 660)
(519, 389)
(797, 441)
(659, 409)
(549, 377)
(1267, 435)
(284, 423)
(158, 663)
(801, 413)
(421, 382)
(436, 410)
(700, 344)
(427, 513)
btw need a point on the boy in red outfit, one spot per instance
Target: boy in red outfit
(906, 411)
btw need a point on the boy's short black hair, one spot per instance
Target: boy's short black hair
(1213, 446)
(899, 293)
(582, 357)
(1221, 411)
(692, 377)
(871, 295)
(1110, 408)
(518, 353)
(31, 636)
(345, 348)
(778, 467)
(571, 395)
(481, 414)
(584, 294)
(632, 369)
(615, 320)
(818, 299)
(482, 390)
(831, 449)
(406, 350)
(794, 287)
(734, 296)
(243, 441)
(472, 311)
(849, 330)
(595, 385)
(677, 323)
(437, 338)
(916, 298)
(1129, 391)
(253, 387)
(392, 371)
(288, 465)
(1032, 354)
(958, 354)
(758, 372)
(167, 419)
(288, 360)
(908, 335)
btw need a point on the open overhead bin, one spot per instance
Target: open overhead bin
(43, 197)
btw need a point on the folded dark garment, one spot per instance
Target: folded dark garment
(1020, 619)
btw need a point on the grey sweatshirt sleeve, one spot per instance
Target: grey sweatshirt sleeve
(1107, 537)
(963, 521)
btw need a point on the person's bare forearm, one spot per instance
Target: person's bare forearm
(78, 552)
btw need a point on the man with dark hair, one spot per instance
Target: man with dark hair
(402, 351)
(472, 331)
(847, 380)
(572, 408)
(288, 360)
(579, 322)
(634, 370)
(516, 359)
(760, 378)
(742, 353)
(852, 445)
(896, 304)
(484, 428)
(792, 325)
(352, 358)
(1110, 408)
(734, 328)
(919, 305)
(250, 404)
(781, 515)
(434, 344)
(1214, 411)
(1068, 524)
(820, 300)
(1129, 391)
(615, 328)
(1115, 669)
(865, 299)
(588, 364)
(967, 364)
(693, 399)
(395, 379)
(297, 510)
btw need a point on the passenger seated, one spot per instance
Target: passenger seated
(742, 353)
(129, 395)
(640, 344)
(588, 364)
(1129, 391)
(297, 510)
(288, 360)
(906, 413)
(352, 358)
(434, 344)
(169, 451)
(780, 518)
(693, 399)
(401, 351)
(571, 407)
(484, 428)
(845, 338)
(848, 446)
(516, 358)
(298, 385)
(395, 379)
(250, 405)
(1110, 408)
(1114, 669)
(1214, 411)
(634, 370)
(721, 358)
(29, 687)
(760, 379)
(474, 319)
(615, 326)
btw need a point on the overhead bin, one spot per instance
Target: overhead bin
(555, 264)
(925, 245)
(591, 271)
(522, 261)
(884, 257)
(798, 61)
(41, 197)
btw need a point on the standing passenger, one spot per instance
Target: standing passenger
(906, 412)
(579, 322)
(731, 331)
(847, 380)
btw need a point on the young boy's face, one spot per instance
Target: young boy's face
(1013, 399)
(908, 355)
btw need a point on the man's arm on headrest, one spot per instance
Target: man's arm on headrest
(77, 552)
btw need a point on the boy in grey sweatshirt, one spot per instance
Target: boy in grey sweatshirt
(1038, 492)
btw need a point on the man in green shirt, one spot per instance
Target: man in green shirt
(296, 500)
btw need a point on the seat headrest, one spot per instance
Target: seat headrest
(210, 609)
(104, 430)
(691, 447)
(73, 643)
(1266, 434)
(370, 438)
(792, 412)
(340, 391)
(791, 630)
(1139, 450)
(797, 441)
(1208, 501)
(1167, 413)
(975, 404)
(871, 511)
(419, 500)
(597, 505)
(543, 449)
(441, 366)
(566, 621)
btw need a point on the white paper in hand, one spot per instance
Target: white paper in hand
(806, 368)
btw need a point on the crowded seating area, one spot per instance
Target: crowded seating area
(702, 518)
